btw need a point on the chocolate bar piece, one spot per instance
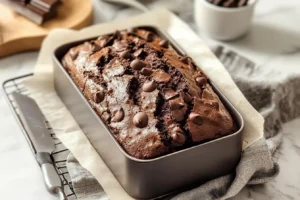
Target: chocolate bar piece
(37, 11)
(23, 2)
(45, 5)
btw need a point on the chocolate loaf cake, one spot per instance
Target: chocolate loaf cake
(153, 100)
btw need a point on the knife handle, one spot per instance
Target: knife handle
(51, 177)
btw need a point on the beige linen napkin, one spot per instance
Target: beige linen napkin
(67, 130)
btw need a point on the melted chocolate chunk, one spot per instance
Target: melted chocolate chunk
(161, 76)
(132, 90)
(140, 120)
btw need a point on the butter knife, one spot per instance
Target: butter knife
(43, 145)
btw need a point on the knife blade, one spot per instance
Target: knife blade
(35, 125)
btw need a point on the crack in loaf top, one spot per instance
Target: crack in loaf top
(153, 100)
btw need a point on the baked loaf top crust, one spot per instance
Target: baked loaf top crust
(153, 100)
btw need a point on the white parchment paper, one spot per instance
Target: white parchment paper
(70, 134)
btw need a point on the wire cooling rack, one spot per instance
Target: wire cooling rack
(60, 153)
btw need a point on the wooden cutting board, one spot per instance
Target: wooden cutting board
(19, 34)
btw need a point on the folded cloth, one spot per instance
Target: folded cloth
(257, 164)
(255, 167)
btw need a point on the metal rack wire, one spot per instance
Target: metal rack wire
(60, 153)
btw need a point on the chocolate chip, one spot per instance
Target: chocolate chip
(242, 3)
(140, 120)
(125, 54)
(161, 76)
(149, 37)
(177, 136)
(120, 45)
(99, 96)
(164, 43)
(215, 104)
(74, 54)
(105, 116)
(96, 46)
(176, 104)
(185, 59)
(102, 41)
(86, 47)
(118, 35)
(169, 93)
(229, 3)
(118, 116)
(217, 2)
(196, 118)
(138, 52)
(132, 30)
(186, 97)
(137, 64)
(206, 94)
(201, 81)
(178, 115)
(149, 86)
(146, 71)
(102, 37)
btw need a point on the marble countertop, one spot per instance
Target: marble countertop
(273, 42)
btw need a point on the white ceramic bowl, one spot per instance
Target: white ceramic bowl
(223, 23)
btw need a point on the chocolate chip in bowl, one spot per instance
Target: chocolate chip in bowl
(229, 3)
(156, 111)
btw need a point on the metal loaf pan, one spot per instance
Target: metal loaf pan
(152, 178)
